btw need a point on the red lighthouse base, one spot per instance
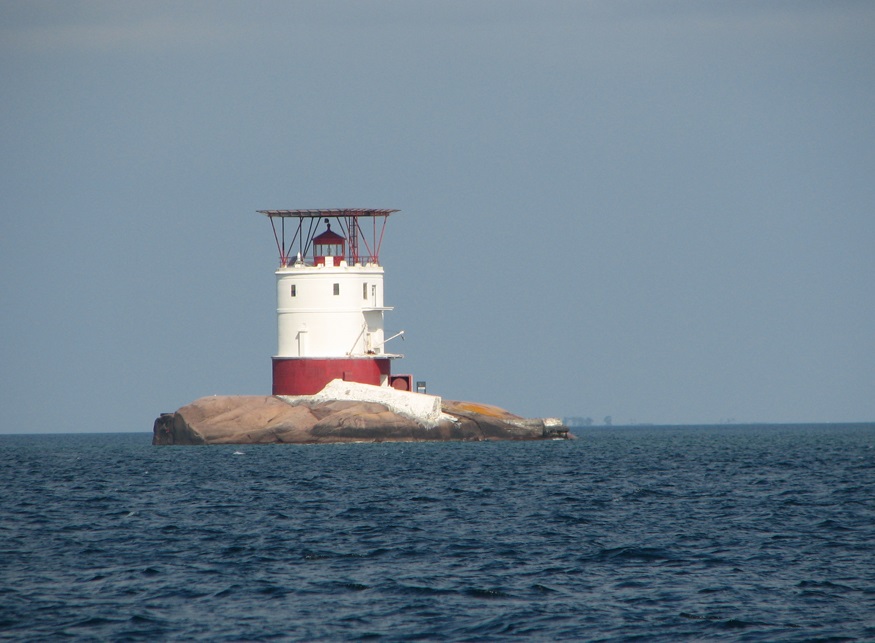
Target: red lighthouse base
(309, 375)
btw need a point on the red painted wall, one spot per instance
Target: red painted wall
(307, 375)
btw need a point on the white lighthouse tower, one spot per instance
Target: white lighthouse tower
(330, 300)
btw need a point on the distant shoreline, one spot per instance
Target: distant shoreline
(722, 425)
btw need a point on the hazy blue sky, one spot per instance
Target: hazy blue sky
(662, 211)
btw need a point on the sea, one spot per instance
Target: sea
(670, 533)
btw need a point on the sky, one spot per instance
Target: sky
(661, 212)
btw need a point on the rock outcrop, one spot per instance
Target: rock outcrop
(356, 417)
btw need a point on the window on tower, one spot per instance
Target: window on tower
(294, 290)
(364, 291)
(336, 289)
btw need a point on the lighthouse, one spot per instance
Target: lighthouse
(332, 373)
(329, 296)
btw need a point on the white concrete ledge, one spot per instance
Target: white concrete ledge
(419, 407)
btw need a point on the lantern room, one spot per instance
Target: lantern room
(328, 246)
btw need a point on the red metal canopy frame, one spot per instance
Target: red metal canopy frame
(350, 221)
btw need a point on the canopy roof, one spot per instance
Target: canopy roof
(335, 212)
(360, 247)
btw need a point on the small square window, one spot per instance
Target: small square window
(336, 289)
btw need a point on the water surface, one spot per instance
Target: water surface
(698, 533)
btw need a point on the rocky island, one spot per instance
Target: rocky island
(332, 378)
(344, 412)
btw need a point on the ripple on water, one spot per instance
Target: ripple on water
(665, 533)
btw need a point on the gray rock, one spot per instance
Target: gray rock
(253, 419)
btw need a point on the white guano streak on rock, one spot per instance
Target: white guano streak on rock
(419, 407)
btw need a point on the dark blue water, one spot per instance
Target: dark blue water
(743, 533)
